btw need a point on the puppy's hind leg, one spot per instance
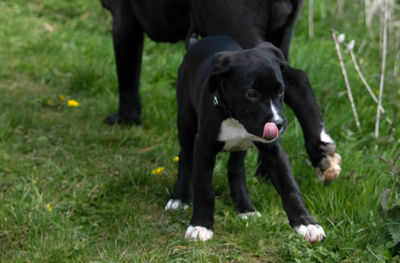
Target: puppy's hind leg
(261, 169)
(237, 184)
(182, 194)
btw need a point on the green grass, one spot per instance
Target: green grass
(106, 205)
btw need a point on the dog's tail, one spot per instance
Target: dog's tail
(190, 40)
(192, 34)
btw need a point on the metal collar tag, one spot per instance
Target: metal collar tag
(215, 100)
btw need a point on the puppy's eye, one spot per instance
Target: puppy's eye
(252, 94)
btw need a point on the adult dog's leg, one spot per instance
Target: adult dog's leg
(237, 184)
(128, 45)
(320, 146)
(202, 221)
(187, 128)
(286, 32)
(279, 171)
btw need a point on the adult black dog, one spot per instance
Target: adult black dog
(249, 23)
(231, 98)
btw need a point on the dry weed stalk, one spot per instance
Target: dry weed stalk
(373, 7)
(346, 79)
(311, 18)
(350, 49)
(383, 65)
(396, 64)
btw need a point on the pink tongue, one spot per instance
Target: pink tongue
(270, 131)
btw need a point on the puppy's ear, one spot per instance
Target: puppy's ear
(220, 66)
(279, 57)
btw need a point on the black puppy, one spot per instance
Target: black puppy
(230, 99)
(249, 23)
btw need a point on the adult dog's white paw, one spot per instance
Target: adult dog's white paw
(246, 215)
(329, 168)
(198, 233)
(175, 204)
(312, 233)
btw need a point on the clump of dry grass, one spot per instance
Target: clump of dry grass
(381, 12)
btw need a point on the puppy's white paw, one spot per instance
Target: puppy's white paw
(329, 168)
(246, 215)
(312, 233)
(198, 233)
(175, 204)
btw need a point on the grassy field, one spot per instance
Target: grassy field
(73, 189)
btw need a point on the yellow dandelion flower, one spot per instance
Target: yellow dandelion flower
(49, 207)
(175, 159)
(35, 181)
(73, 103)
(157, 171)
(62, 97)
(50, 103)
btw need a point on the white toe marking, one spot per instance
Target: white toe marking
(198, 233)
(338, 157)
(312, 233)
(174, 204)
(324, 137)
(302, 230)
(246, 215)
(333, 170)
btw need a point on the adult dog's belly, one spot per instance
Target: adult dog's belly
(163, 20)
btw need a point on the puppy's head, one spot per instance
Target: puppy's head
(250, 84)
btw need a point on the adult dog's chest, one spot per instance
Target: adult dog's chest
(280, 12)
(235, 136)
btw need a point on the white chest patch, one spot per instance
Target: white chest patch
(236, 137)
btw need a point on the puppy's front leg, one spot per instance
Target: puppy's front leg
(201, 224)
(278, 169)
(320, 146)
